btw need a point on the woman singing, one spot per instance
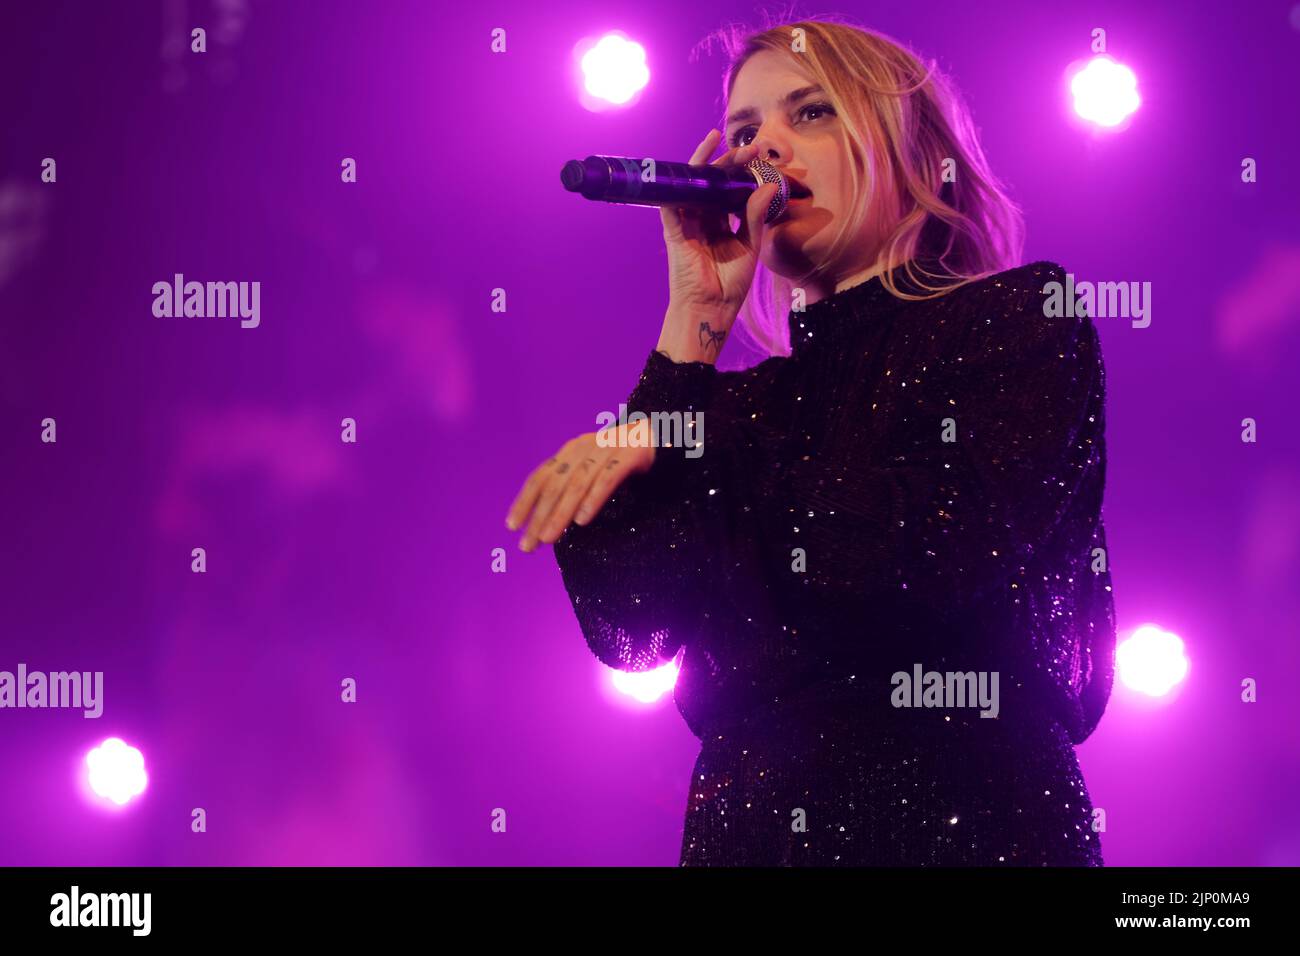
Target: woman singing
(881, 549)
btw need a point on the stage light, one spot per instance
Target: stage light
(1105, 92)
(646, 686)
(613, 70)
(116, 771)
(1151, 661)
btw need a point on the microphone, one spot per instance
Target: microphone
(649, 182)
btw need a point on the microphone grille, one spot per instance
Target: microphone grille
(765, 172)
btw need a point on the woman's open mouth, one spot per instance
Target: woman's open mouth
(798, 190)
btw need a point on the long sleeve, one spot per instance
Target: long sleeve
(918, 481)
(915, 476)
(644, 573)
(1001, 525)
(951, 522)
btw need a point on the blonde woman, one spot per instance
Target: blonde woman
(884, 566)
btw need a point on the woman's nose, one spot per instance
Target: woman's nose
(770, 146)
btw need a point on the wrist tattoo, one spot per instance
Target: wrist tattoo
(710, 338)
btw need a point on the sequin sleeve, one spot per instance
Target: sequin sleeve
(993, 455)
(643, 574)
(994, 474)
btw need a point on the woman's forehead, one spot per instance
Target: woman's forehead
(767, 68)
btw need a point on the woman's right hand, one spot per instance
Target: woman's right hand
(710, 268)
(574, 483)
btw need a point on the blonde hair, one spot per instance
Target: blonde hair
(902, 120)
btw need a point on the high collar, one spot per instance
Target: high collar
(829, 319)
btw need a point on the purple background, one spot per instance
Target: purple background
(372, 560)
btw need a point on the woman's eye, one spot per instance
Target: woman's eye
(823, 107)
(738, 137)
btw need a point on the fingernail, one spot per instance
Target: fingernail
(510, 524)
(583, 515)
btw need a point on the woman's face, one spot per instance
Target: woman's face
(803, 138)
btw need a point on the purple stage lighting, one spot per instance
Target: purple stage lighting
(613, 71)
(115, 771)
(646, 686)
(1105, 92)
(1151, 661)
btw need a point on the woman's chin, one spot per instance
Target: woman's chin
(790, 248)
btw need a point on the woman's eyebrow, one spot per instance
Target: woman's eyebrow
(749, 112)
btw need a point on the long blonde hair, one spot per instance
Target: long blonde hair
(905, 125)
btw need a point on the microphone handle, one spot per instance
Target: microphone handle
(636, 182)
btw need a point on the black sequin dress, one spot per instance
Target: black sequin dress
(916, 488)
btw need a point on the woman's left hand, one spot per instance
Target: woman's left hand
(575, 483)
